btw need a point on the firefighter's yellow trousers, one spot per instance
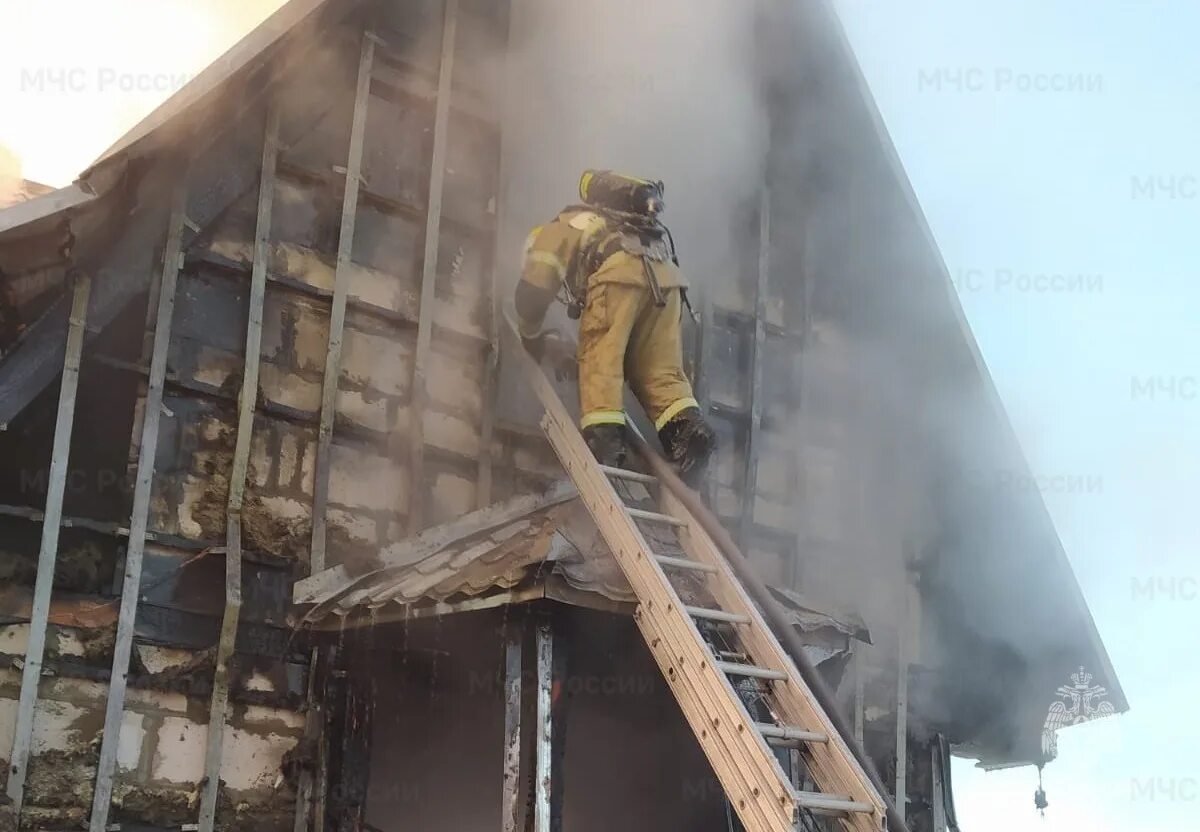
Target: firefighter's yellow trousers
(624, 335)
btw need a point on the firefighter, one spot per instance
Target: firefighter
(613, 263)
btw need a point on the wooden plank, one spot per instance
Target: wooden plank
(31, 674)
(510, 813)
(487, 426)
(321, 775)
(313, 722)
(545, 732)
(757, 360)
(433, 222)
(219, 702)
(337, 313)
(487, 429)
(938, 797)
(139, 517)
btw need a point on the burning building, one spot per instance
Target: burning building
(284, 544)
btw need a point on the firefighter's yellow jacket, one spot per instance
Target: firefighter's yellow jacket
(625, 326)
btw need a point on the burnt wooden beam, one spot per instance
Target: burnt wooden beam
(237, 480)
(321, 768)
(350, 740)
(739, 321)
(337, 315)
(48, 553)
(545, 732)
(511, 790)
(758, 359)
(314, 716)
(433, 223)
(492, 369)
(487, 422)
(139, 518)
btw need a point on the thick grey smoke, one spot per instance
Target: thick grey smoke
(903, 465)
(665, 90)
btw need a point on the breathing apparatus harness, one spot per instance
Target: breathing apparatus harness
(630, 208)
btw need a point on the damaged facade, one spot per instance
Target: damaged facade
(278, 299)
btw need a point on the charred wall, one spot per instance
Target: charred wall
(215, 147)
(630, 759)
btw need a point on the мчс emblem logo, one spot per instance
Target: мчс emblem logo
(1080, 701)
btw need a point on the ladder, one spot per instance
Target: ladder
(716, 652)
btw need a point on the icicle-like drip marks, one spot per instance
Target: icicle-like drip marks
(433, 666)
(372, 623)
(404, 641)
(505, 612)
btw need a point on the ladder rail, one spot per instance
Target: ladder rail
(739, 753)
(782, 631)
(676, 643)
(832, 763)
(698, 711)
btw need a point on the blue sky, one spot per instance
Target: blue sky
(1053, 147)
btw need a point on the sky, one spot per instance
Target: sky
(1053, 148)
(75, 75)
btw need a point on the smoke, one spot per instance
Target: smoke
(664, 90)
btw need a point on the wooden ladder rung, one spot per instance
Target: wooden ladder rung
(780, 734)
(626, 474)
(654, 517)
(831, 803)
(736, 669)
(717, 615)
(685, 564)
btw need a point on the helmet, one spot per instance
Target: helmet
(618, 192)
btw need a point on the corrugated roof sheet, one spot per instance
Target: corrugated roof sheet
(552, 551)
(553, 541)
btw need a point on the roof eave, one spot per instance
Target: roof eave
(988, 384)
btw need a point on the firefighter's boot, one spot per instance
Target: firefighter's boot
(689, 442)
(607, 443)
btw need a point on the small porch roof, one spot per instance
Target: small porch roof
(524, 549)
